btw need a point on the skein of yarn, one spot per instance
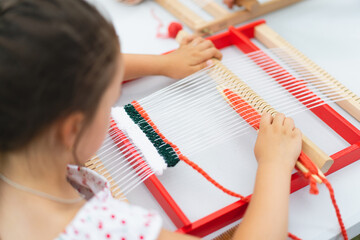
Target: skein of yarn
(174, 28)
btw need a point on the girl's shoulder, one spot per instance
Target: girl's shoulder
(104, 217)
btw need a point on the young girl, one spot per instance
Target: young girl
(60, 73)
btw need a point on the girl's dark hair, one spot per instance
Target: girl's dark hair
(56, 57)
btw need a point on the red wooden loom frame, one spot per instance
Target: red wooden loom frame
(240, 37)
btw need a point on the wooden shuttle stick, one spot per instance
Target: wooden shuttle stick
(271, 39)
(321, 159)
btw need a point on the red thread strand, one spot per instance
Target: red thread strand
(173, 28)
(160, 25)
(202, 172)
(144, 114)
(337, 210)
(292, 236)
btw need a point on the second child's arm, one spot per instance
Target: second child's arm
(193, 54)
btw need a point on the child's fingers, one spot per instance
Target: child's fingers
(200, 66)
(205, 45)
(289, 124)
(279, 120)
(187, 39)
(297, 133)
(197, 41)
(266, 119)
(210, 53)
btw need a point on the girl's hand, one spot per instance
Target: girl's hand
(194, 54)
(278, 141)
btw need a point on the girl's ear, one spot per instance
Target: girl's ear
(69, 129)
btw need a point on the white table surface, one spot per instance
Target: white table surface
(328, 32)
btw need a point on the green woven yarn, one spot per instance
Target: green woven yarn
(164, 149)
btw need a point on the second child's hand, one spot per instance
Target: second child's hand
(193, 54)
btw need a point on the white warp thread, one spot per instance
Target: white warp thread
(151, 156)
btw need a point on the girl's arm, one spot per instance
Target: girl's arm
(192, 55)
(277, 148)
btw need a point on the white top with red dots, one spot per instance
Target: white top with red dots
(104, 217)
